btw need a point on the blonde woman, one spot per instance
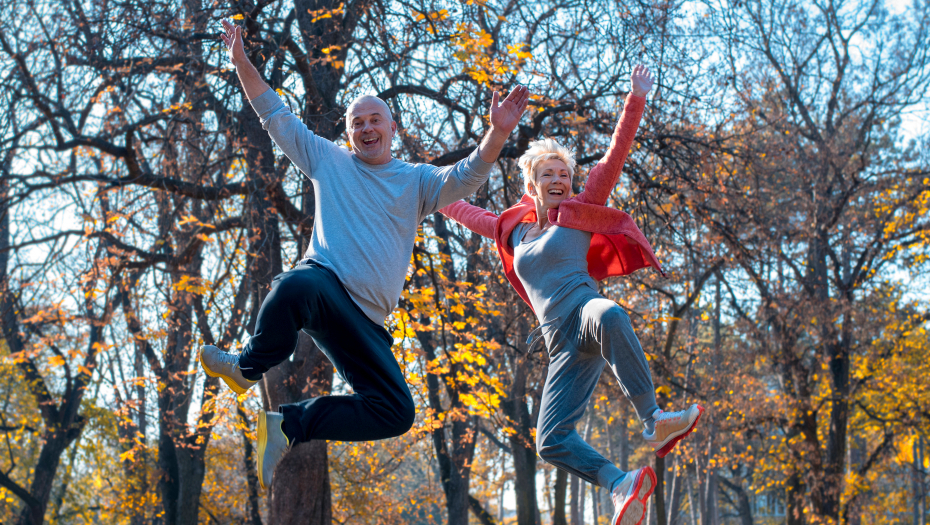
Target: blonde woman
(554, 247)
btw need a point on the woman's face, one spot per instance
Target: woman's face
(553, 183)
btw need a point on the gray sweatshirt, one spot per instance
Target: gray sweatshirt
(554, 270)
(366, 216)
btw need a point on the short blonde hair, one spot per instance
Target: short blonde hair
(543, 150)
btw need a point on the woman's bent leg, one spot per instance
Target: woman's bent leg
(569, 384)
(607, 323)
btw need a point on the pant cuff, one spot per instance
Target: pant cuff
(608, 475)
(293, 429)
(645, 405)
(249, 369)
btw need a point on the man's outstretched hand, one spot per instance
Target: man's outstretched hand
(251, 79)
(504, 119)
(233, 41)
(506, 116)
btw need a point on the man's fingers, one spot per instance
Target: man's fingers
(495, 98)
(518, 96)
(514, 94)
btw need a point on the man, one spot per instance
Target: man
(368, 207)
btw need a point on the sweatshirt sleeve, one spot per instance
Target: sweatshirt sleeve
(603, 177)
(304, 148)
(445, 185)
(478, 220)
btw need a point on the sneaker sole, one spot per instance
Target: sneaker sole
(662, 452)
(262, 445)
(229, 382)
(635, 510)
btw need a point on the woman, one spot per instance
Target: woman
(553, 248)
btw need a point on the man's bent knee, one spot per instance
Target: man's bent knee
(401, 418)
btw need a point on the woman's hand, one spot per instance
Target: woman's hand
(233, 41)
(641, 80)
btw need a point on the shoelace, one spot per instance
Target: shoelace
(227, 358)
(669, 417)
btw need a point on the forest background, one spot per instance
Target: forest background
(781, 171)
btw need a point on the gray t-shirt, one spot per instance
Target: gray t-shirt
(554, 270)
(366, 216)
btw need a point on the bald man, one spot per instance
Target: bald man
(368, 207)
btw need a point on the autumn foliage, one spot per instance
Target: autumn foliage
(781, 172)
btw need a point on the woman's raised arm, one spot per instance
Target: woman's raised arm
(603, 177)
(478, 220)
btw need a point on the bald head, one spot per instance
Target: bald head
(371, 129)
(366, 103)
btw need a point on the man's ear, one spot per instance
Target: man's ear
(393, 128)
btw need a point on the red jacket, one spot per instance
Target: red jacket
(618, 247)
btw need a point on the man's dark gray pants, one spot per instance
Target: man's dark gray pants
(311, 298)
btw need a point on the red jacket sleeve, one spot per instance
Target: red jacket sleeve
(478, 220)
(603, 177)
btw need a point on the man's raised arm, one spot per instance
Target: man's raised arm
(251, 80)
(466, 176)
(504, 119)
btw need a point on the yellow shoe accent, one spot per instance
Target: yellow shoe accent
(240, 385)
(272, 445)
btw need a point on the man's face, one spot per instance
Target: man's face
(371, 130)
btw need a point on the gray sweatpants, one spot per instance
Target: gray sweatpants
(596, 333)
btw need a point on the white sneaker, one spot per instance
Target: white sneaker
(672, 427)
(630, 496)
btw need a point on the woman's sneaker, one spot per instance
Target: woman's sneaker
(672, 427)
(272, 445)
(217, 363)
(630, 495)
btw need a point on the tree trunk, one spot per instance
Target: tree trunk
(692, 501)
(522, 446)
(251, 476)
(658, 497)
(709, 499)
(674, 501)
(300, 488)
(56, 442)
(63, 423)
(561, 484)
(794, 500)
(743, 506)
(573, 504)
(595, 493)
